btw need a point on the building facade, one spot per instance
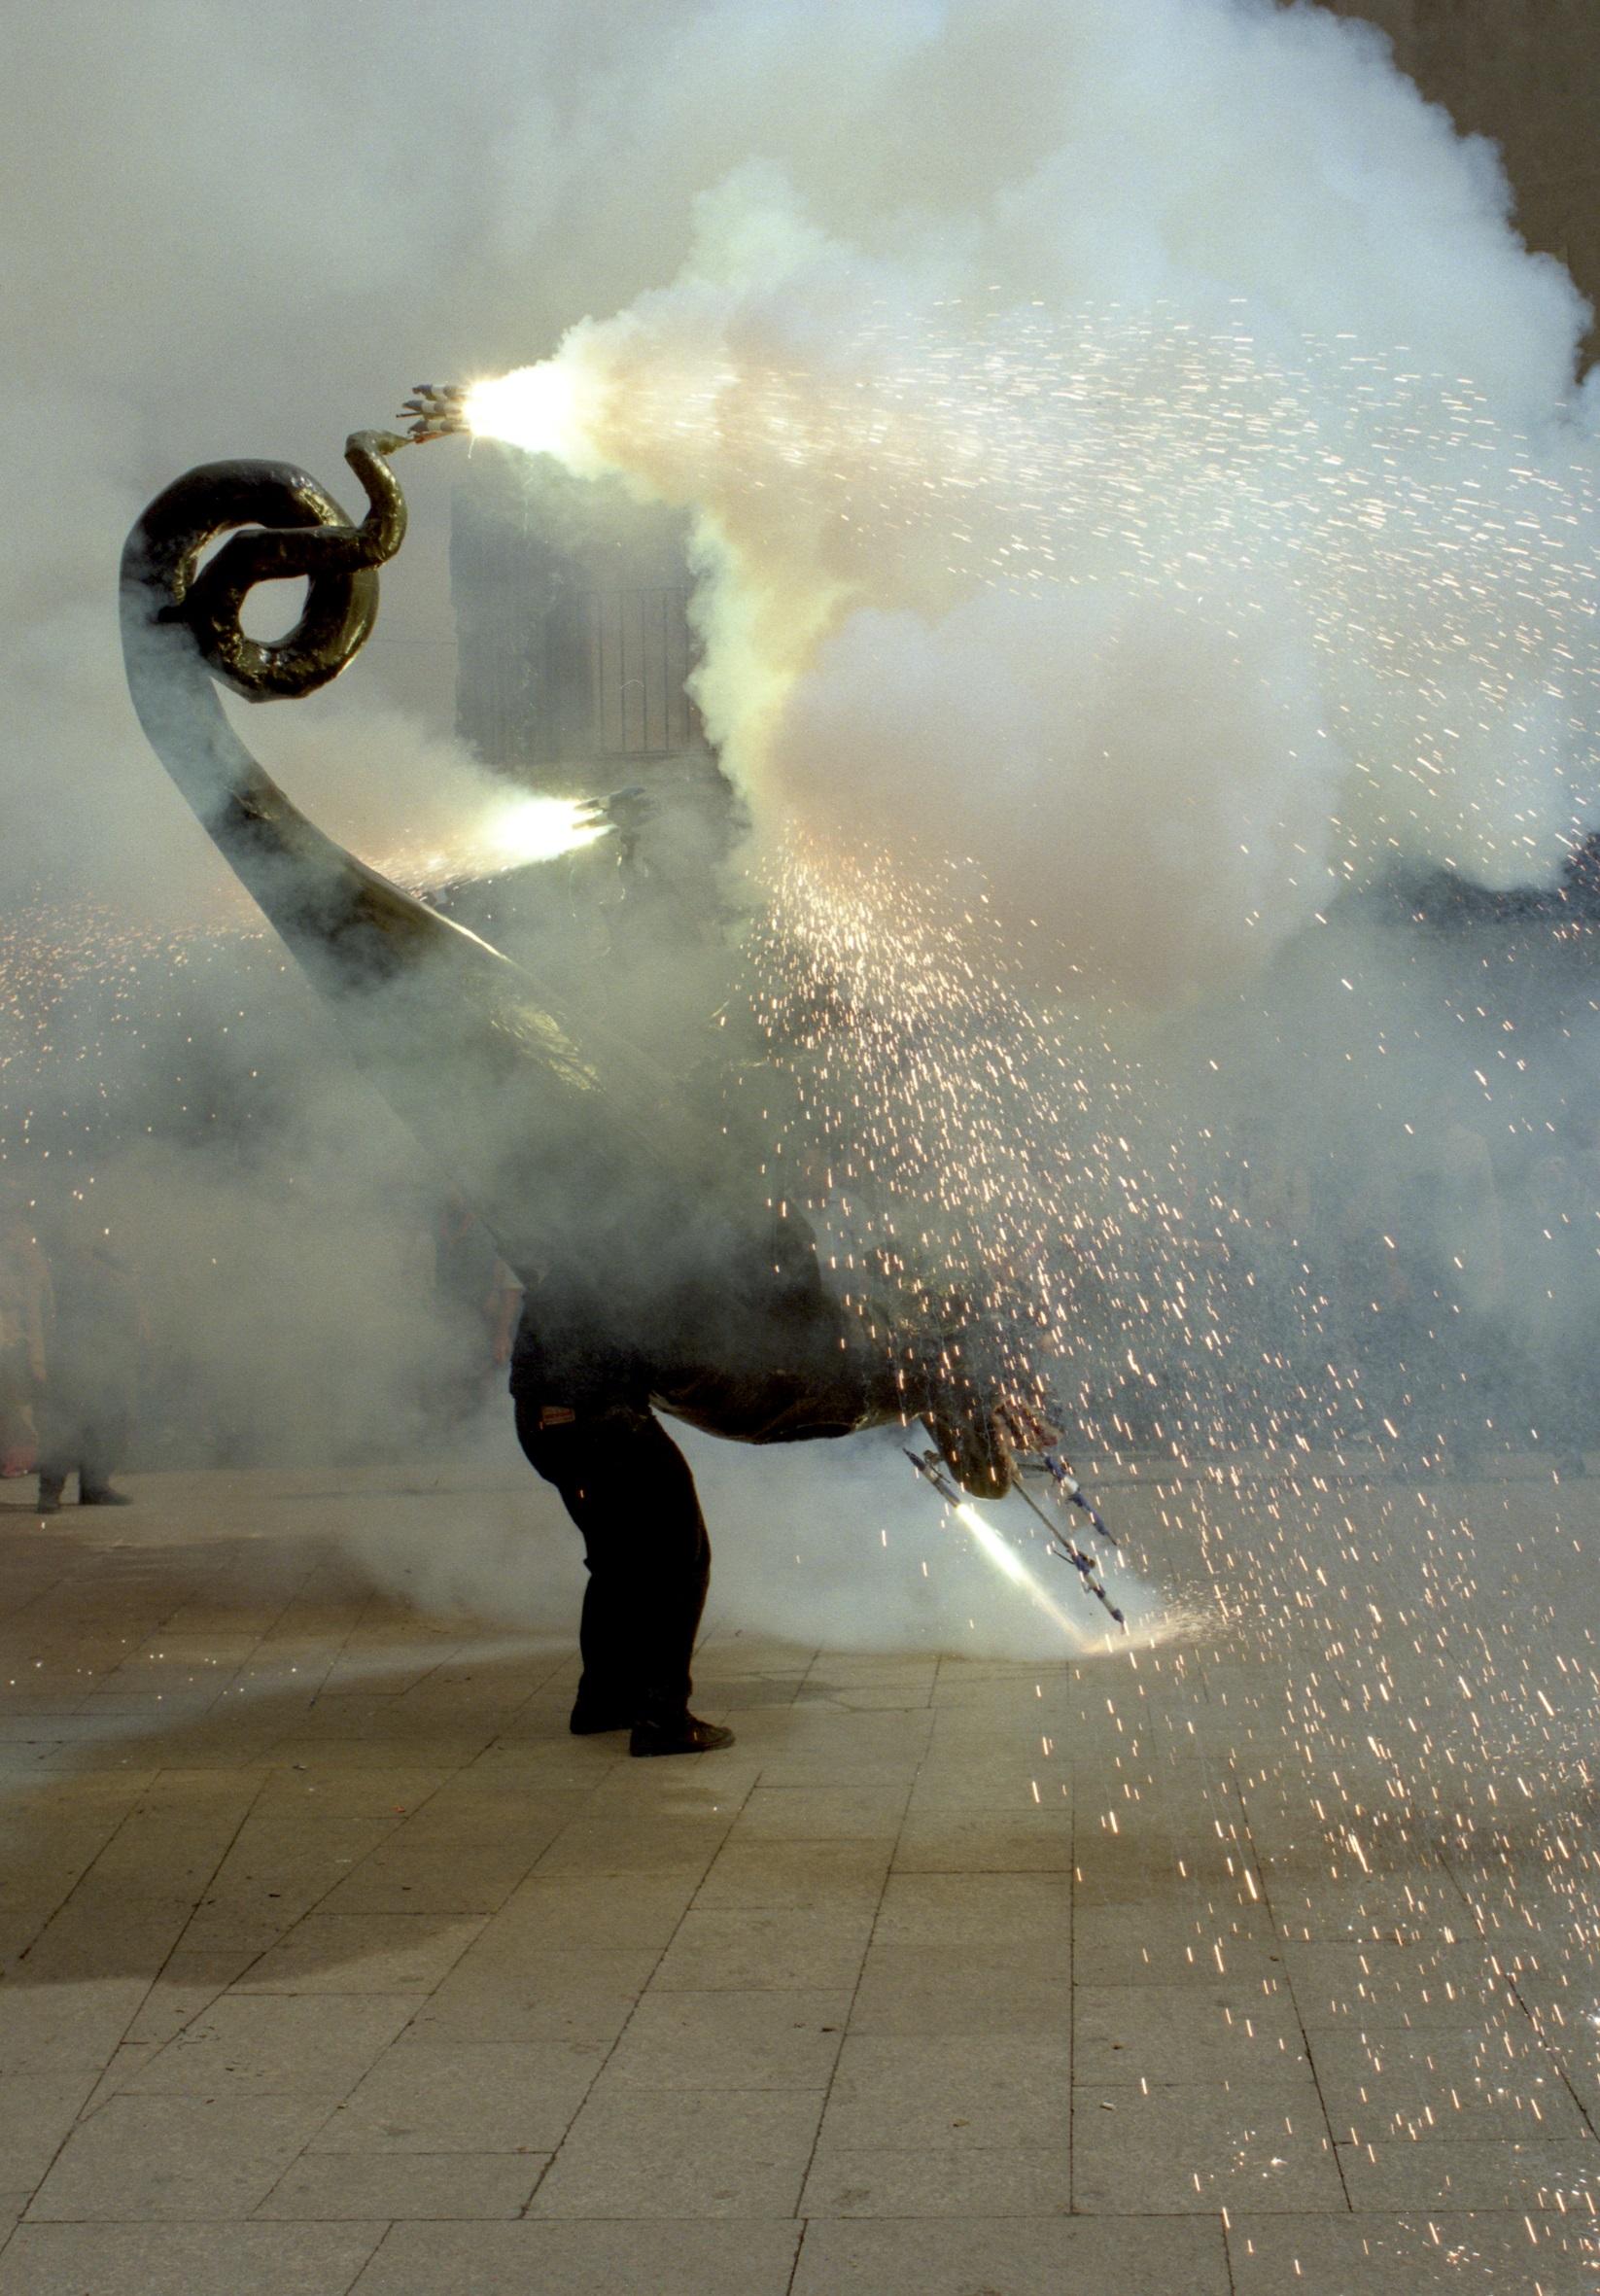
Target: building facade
(573, 627)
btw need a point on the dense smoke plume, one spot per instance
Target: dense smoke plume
(1176, 583)
(1131, 449)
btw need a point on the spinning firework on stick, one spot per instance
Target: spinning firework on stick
(438, 410)
(1064, 1548)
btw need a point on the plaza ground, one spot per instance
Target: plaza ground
(1237, 1962)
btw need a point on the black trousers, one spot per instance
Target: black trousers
(629, 1489)
(83, 1429)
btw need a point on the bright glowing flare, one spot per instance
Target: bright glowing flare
(1010, 1564)
(534, 407)
(540, 829)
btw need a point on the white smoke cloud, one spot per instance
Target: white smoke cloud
(1181, 494)
(1132, 785)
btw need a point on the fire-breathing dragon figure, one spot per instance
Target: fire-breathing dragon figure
(577, 1157)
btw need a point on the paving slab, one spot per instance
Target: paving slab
(200, 1966)
(400, 1878)
(729, 2039)
(394, 2187)
(192, 2157)
(823, 1813)
(850, 2179)
(978, 1841)
(977, 1911)
(1163, 2036)
(1449, 2172)
(427, 2095)
(1013, 1788)
(1421, 2088)
(38, 2112)
(511, 1992)
(554, 1912)
(268, 2044)
(142, 2259)
(1426, 1905)
(951, 2093)
(1086, 2256)
(1388, 1987)
(1179, 2150)
(793, 1949)
(357, 1953)
(680, 2152)
(65, 2027)
(702, 1789)
(749, 2259)
(931, 1990)
(618, 1846)
(796, 1874)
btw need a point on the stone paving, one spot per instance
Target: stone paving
(333, 1962)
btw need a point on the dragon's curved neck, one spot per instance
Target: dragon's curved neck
(348, 926)
(454, 1036)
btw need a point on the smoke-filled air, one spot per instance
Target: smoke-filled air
(1139, 497)
(1178, 504)
(1064, 961)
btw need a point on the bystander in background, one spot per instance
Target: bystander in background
(96, 1344)
(26, 1310)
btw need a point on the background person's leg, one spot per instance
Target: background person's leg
(60, 1413)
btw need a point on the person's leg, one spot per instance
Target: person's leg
(649, 1562)
(629, 1489)
(58, 1444)
(104, 1440)
(19, 1426)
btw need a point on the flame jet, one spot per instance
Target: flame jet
(583, 1163)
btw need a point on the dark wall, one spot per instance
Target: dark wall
(572, 623)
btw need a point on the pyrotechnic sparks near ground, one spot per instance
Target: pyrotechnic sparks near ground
(1405, 1679)
(941, 1118)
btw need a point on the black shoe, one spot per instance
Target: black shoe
(106, 1498)
(50, 1499)
(686, 1733)
(593, 1722)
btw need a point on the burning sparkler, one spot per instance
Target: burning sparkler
(931, 1468)
(529, 829)
(535, 408)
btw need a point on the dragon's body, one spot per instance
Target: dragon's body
(587, 1169)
